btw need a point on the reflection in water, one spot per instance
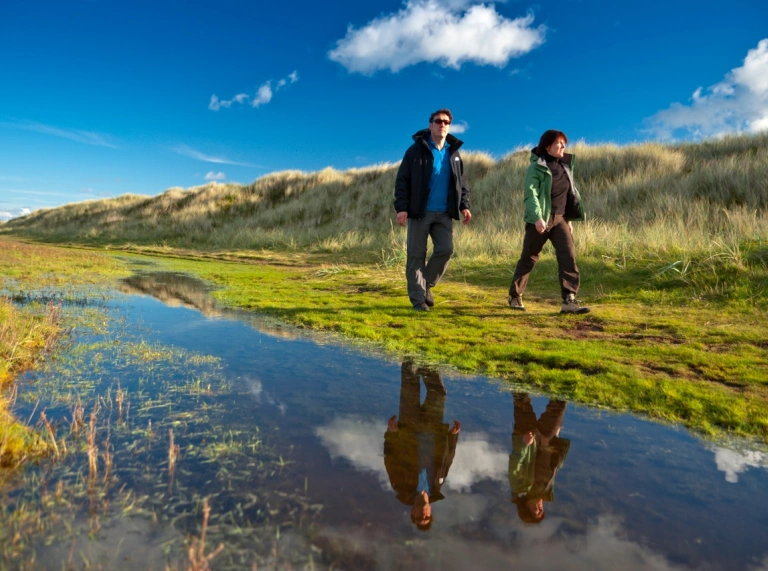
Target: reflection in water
(287, 445)
(734, 462)
(538, 453)
(174, 289)
(419, 448)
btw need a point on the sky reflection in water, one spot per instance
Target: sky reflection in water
(627, 493)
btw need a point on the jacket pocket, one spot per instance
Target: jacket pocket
(573, 208)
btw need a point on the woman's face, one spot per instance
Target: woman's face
(557, 149)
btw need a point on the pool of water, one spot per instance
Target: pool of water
(311, 454)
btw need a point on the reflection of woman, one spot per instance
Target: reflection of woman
(538, 453)
(419, 449)
(551, 203)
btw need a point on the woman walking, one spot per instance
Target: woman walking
(551, 203)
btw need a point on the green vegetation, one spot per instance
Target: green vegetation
(24, 336)
(145, 448)
(41, 278)
(674, 259)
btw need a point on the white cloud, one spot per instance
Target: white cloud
(186, 151)
(6, 215)
(459, 127)
(77, 135)
(734, 462)
(263, 95)
(360, 442)
(217, 103)
(447, 32)
(738, 104)
(215, 175)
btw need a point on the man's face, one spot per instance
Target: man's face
(439, 126)
(421, 514)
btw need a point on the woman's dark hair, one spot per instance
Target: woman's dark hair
(525, 515)
(548, 138)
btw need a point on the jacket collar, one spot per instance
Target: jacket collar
(422, 135)
(536, 157)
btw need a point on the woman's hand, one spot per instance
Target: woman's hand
(541, 226)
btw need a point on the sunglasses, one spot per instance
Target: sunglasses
(441, 121)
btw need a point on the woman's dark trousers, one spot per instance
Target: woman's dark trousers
(560, 235)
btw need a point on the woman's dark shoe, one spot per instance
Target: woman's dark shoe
(430, 301)
(421, 307)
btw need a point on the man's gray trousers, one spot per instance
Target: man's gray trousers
(439, 226)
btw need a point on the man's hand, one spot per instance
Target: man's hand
(528, 438)
(456, 427)
(570, 226)
(392, 424)
(467, 215)
(541, 226)
(401, 218)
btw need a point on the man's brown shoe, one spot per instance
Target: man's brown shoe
(516, 302)
(428, 299)
(570, 305)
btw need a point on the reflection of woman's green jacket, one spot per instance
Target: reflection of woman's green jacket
(532, 469)
(538, 191)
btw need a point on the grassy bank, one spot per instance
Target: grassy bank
(31, 323)
(663, 201)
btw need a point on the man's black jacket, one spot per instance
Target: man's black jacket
(412, 183)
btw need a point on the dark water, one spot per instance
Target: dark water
(286, 437)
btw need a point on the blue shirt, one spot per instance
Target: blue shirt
(437, 201)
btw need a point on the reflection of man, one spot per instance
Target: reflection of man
(538, 453)
(419, 448)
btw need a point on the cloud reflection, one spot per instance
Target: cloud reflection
(733, 462)
(360, 442)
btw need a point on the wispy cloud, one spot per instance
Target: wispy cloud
(215, 175)
(459, 127)
(263, 94)
(446, 32)
(738, 104)
(77, 135)
(187, 151)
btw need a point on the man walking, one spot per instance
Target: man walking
(430, 191)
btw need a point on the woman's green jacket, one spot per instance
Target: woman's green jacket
(538, 191)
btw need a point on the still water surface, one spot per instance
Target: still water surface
(293, 441)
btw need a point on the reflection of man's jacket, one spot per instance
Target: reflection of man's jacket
(419, 421)
(532, 468)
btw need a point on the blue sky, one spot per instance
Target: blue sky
(100, 98)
